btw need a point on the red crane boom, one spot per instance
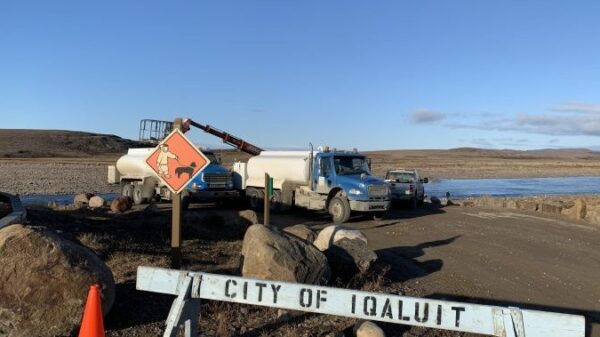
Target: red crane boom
(227, 138)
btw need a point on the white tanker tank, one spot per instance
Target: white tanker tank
(283, 166)
(133, 164)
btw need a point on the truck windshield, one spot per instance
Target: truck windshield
(211, 156)
(350, 165)
(402, 177)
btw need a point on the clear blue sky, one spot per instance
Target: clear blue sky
(366, 74)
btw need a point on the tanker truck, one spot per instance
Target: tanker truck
(337, 181)
(140, 183)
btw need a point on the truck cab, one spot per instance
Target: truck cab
(346, 178)
(339, 182)
(214, 183)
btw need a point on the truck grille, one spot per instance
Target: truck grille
(217, 180)
(378, 191)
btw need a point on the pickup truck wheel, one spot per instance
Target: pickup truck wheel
(339, 208)
(255, 198)
(138, 198)
(413, 202)
(127, 191)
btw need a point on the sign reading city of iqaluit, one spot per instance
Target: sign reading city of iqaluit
(430, 313)
(176, 161)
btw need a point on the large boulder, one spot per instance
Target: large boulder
(121, 204)
(96, 202)
(302, 232)
(577, 210)
(330, 234)
(350, 257)
(593, 214)
(368, 329)
(271, 255)
(44, 282)
(82, 199)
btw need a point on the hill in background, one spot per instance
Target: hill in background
(18, 143)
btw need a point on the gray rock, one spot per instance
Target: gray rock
(96, 202)
(302, 232)
(368, 329)
(349, 257)
(121, 204)
(45, 281)
(269, 254)
(82, 199)
(331, 234)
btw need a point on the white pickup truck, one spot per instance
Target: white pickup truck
(406, 185)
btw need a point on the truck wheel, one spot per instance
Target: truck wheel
(138, 195)
(276, 202)
(255, 198)
(339, 208)
(185, 202)
(127, 191)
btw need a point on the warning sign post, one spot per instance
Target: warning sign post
(176, 161)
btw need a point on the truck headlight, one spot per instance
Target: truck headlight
(355, 191)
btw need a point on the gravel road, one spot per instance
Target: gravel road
(54, 177)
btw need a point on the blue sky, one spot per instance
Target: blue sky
(372, 75)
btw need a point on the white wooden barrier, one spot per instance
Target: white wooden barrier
(482, 319)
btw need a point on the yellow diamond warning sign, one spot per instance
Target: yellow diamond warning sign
(176, 161)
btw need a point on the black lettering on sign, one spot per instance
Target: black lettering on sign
(387, 309)
(260, 286)
(400, 310)
(227, 293)
(303, 302)
(353, 304)
(458, 310)
(321, 297)
(275, 291)
(245, 290)
(370, 311)
(418, 317)
(439, 315)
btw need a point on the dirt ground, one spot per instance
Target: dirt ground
(498, 257)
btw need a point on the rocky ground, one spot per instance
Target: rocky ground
(511, 257)
(583, 207)
(55, 176)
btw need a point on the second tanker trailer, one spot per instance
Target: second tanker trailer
(337, 181)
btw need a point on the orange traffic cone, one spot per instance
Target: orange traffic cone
(92, 324)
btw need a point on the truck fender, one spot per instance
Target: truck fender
(337, 191)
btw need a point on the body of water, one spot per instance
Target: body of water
(458, 188)
(463, 188)
(61, 199)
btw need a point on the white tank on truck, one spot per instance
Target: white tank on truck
(337, 181)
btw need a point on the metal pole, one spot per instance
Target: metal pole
(267, 207)
(176, 220)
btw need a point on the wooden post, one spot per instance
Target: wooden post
(267, 207)
(176, 219)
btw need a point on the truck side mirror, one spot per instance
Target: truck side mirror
(369, 163)
(425, 180)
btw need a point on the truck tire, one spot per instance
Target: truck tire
(339, 208)
(127, 190)
(138, 195)
(276, 202)
(255, 198)
(185, 202)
